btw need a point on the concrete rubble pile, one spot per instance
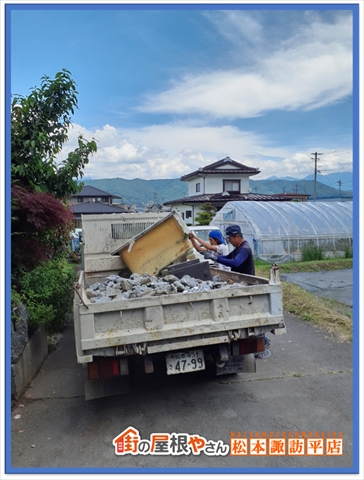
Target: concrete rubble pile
(137, 286)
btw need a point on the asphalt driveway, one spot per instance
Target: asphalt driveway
(306, 385)
(337, 285)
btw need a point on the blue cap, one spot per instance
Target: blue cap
(217, 235)
(232, 230)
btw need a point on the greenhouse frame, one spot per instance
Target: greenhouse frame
(279, 231)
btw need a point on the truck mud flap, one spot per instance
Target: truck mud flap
(105, 387)
(237, 364)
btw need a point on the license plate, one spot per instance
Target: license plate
(184, 362)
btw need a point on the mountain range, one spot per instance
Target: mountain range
(331, 179)
(139, 192)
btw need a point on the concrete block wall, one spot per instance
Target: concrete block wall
(30, 361)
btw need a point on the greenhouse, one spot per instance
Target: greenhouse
(280, 231)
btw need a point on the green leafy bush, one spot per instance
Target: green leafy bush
(15, 300)
(203, 218)
(311, 253)
(47, 292)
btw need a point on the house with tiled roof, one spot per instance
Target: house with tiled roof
(91, 200)
(218, 183)
(90, 194)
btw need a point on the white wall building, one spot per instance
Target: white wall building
(217, 183)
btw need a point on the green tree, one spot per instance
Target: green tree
(207, 214)
(39, 129)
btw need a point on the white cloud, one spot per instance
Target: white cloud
(299, 165)
(306, 67)
(309, 70)
(173, 150)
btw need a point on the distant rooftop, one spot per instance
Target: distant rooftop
(215, 168)
(95, 207)
(88, 191)
(229, 197)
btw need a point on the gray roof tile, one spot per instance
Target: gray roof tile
(232, 197)
(95, 207)
(88, 191)
(213, 169)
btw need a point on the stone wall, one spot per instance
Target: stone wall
(28, 363)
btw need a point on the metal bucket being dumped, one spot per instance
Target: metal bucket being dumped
(156, 247)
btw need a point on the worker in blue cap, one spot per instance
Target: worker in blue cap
(241, 258)
(241, 261)
(215, 246)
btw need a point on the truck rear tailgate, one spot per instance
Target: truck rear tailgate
(178, 320)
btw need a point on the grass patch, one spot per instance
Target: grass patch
(327, 314)
(262, 268)
(311, 253)
(330, 315)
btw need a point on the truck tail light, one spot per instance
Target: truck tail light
(103, 367)
(251, 345)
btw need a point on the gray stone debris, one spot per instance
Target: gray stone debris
(140, 286)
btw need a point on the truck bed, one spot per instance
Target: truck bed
(176, 321)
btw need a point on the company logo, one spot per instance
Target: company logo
(129, 442)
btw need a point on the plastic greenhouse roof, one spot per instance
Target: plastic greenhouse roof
(290, 219)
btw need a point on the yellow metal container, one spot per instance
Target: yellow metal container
(156, 247)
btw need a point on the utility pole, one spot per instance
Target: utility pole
(315, 178)
(340, 184)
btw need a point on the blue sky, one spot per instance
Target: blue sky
(165, 92)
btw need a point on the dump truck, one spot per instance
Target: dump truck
(216, 331)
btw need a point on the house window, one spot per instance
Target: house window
(231, 186)
(80, 199)
(198, 187)
(104, 200)
(188, 213)
(183, 215)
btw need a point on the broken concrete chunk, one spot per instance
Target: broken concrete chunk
(189, 281)
(170, 278)
(145, 279)
(113, 292)
(126, 285)
(100, 299)
(90, 293)
(139, 286)
(113, 278)
(134, 279)
(179, 286)
(149, 292)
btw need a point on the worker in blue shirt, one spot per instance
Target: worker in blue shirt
(240, 260)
